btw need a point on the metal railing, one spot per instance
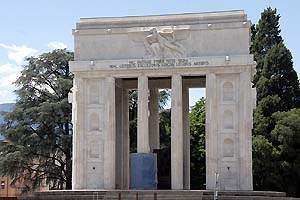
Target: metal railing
(216, 186)
(95, 196)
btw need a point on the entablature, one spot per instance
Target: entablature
(162, 64)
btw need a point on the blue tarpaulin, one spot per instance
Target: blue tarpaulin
(143, 171)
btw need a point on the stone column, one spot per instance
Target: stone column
(211, 139)
(143, 121)
(176, 134)
(245, 136)
(110, 136)
(126, 139)
(154, 119)
(186, 138)
(78, 174)
(119, 137)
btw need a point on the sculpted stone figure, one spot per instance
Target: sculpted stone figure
(160, 44)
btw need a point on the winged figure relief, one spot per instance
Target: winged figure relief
(165, 43)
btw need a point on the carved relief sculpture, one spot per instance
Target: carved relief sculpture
(161, 43)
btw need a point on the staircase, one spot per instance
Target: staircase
(155, 195)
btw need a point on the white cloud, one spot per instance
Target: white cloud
(18, 53)
(8, 68)
(3, 94)
(11, 71)
(56, 45)
(7, 81)
(8, 74)
(7, 96)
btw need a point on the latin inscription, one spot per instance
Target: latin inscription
(160, 63)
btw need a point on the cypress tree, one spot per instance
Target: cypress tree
(276, 80)
(264, 36)
(278, 91)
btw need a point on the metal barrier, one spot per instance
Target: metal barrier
(95, 194)
(216, 187)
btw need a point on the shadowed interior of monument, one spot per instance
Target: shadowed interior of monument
(160, 133)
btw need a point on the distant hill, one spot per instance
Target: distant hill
(5, 107)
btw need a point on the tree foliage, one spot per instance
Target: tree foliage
(163, 98)
(38, 129)
(265, 165)
(197, 142)
(287, 140)
(264, 36)
(165, 128)
(276, 161)
(278, 77)
(278, 92)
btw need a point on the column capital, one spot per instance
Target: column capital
(142, 77)
(176, 76)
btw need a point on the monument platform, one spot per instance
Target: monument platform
(157, 195)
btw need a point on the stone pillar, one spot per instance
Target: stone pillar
(126, 139)
(154, 119)
(110, 136)
(122, 138)
(245, 134)
(78, 174)
(211, 139)
(119, 137)
(186, 138)
(176, 134)
(143, 121)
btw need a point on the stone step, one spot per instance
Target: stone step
(246, 193)
(206, 197)
(160, 195)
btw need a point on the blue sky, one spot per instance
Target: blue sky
(35, 26)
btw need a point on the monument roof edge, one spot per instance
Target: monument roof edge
(166, 19)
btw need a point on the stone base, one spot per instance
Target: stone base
(157, 195)
(143, 171)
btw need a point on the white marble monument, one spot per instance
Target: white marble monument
(180, 51)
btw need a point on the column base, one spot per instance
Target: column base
(143, 171)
